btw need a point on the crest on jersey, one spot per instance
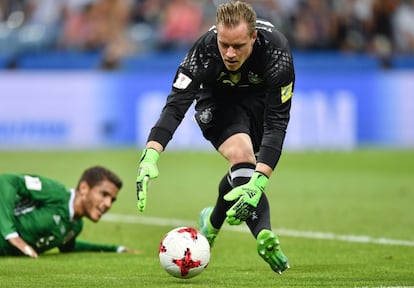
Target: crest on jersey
(205, 116)
(182, 81)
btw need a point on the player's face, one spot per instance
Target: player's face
(235, 44)
(99, 199)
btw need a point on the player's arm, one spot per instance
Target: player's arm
(16, 241)
(155, 145)
(195, 69)
(15, 186)
(280, 80)
(9, 187)
(178, 102)
(76, 245)
(277, 117)
(264, 169)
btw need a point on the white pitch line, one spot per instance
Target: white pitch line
(158, 221)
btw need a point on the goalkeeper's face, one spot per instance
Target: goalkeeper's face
(98, 199)
(235, 44)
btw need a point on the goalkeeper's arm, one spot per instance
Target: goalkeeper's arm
(264, 169)
(155, 145)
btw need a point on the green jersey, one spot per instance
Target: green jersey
(40, 210)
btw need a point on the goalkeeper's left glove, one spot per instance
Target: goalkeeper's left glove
(247, 196)
(147, 170)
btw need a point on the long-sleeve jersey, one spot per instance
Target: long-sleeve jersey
(267, 75)
(40, 211)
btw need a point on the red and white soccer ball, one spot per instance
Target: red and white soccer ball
(184, 252)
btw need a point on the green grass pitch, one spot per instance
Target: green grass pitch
(345, 219)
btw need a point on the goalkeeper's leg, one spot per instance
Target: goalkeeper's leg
(268, 247)
(212, 218)
(260, 218)
(267, 243)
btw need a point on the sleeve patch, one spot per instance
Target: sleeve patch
(182, 81)
(287, 92)
(33, 183)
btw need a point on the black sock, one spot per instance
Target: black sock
(260, 218)
(240, 174)
(218, 215)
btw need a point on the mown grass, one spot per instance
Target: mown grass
(364, 192)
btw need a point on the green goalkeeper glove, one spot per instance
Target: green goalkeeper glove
(247, 196)
(147, 170)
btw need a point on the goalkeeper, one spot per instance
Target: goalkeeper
(38, 213)
(241, 75)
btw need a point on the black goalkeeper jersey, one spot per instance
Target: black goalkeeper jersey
(267, 76)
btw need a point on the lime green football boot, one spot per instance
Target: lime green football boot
(268, 247)
(205, 226)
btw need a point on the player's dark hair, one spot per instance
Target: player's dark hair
(232, 13)
(96, 174)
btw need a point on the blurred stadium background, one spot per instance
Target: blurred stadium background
(89, 74)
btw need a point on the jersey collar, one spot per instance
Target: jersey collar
(71, 204)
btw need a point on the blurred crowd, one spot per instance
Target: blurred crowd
(119, 28)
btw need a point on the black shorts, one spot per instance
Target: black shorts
(218, 119)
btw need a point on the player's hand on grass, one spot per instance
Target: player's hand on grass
(147, 170)
(25, 248)
(247, 197)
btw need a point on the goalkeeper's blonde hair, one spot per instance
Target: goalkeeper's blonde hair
(233, 13)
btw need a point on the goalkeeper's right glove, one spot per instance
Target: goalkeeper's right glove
(147, 170)
(247, 198)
